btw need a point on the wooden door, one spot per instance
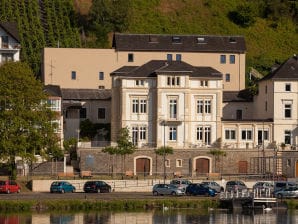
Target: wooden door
(202, 166)
(296, 173)
(143, 166)
(242, 165)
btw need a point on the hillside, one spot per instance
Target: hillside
(269, 27)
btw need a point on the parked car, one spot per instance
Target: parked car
(62, 187)
(9, 186)
(279, 185)
(236, 186)
(167, 189)
(180, 183)
(291, 192)
(263, 187)
(97, 186)
(200, 189)
(213, 185)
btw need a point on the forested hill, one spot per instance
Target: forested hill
(270, 27)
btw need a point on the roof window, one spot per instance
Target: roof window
(232, 40)
(176, 39)
(153, 39)
(201, 40)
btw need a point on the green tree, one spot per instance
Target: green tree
(124, 146)
(164, 151)
(244, 15)
(26, 126)
(217, 153)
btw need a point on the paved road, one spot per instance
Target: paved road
(79, 195)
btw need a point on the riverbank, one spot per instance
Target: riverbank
(102, 205)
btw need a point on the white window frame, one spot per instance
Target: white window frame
(167, 163)
(139, 105)
(179, 163)
(248, 134)
(230, 134)
(172, 133)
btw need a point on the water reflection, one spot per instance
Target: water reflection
(154, 217)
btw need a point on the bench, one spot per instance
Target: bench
(177, 174)
(66, 174)
(86, 174)
(129, 173)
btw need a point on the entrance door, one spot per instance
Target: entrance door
(143, 166)
(202, 166)
(242, 166)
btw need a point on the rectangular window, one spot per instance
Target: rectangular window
(222, 59)
(230, 134)
(83, 113)
(140, 82)
(232, 59)
(207, 106)
(288, 136)
(173, 108)
(135, 135)
(139, 105)
(167, 163)
(173, 81)
(177, 81)
(288, 110)
(178, 162)
(6, 57)
(101, 113)
(204, 83)
(207, 135)
(178, 57)
(143, 106)
(228, 77)
(130, 57)
(169, 57)
(101, 75)
(199, 133)
(101, 87)
(4, 41)
(143, 133)
(135, 106)
(266, 106)
(288, 87)
(54, 105)
(246, 134)
(73, 75)
(172, 133)
(200, 106)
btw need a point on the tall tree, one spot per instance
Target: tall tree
(26, 126)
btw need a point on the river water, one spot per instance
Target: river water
(154, 217)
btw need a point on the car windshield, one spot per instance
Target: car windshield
(56, 184)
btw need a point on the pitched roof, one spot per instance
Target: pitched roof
(86, 94)
(52, 90)
(286, 71)
(179, 43)
(12, 29)
(155, 67)
(237, 96)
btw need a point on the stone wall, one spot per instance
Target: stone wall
(102, 163)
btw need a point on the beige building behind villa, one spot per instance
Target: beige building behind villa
(183, 91)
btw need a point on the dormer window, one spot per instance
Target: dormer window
(176, 40)
(232, 40)
(153, 39)
(201, 40)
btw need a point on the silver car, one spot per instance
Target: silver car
(291, 192)
(263, 187)
(167, 189)
(213, 185)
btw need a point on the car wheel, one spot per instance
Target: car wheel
(98, 190)
(73, 190)
(222, 189)
(279, 196)
(8, 191)
(62, 191)
(173, 193)
(155, 193)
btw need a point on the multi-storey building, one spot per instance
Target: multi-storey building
(9, 42)
(183, 91)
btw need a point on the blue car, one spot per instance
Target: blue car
(200, 189)
(62, 187)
